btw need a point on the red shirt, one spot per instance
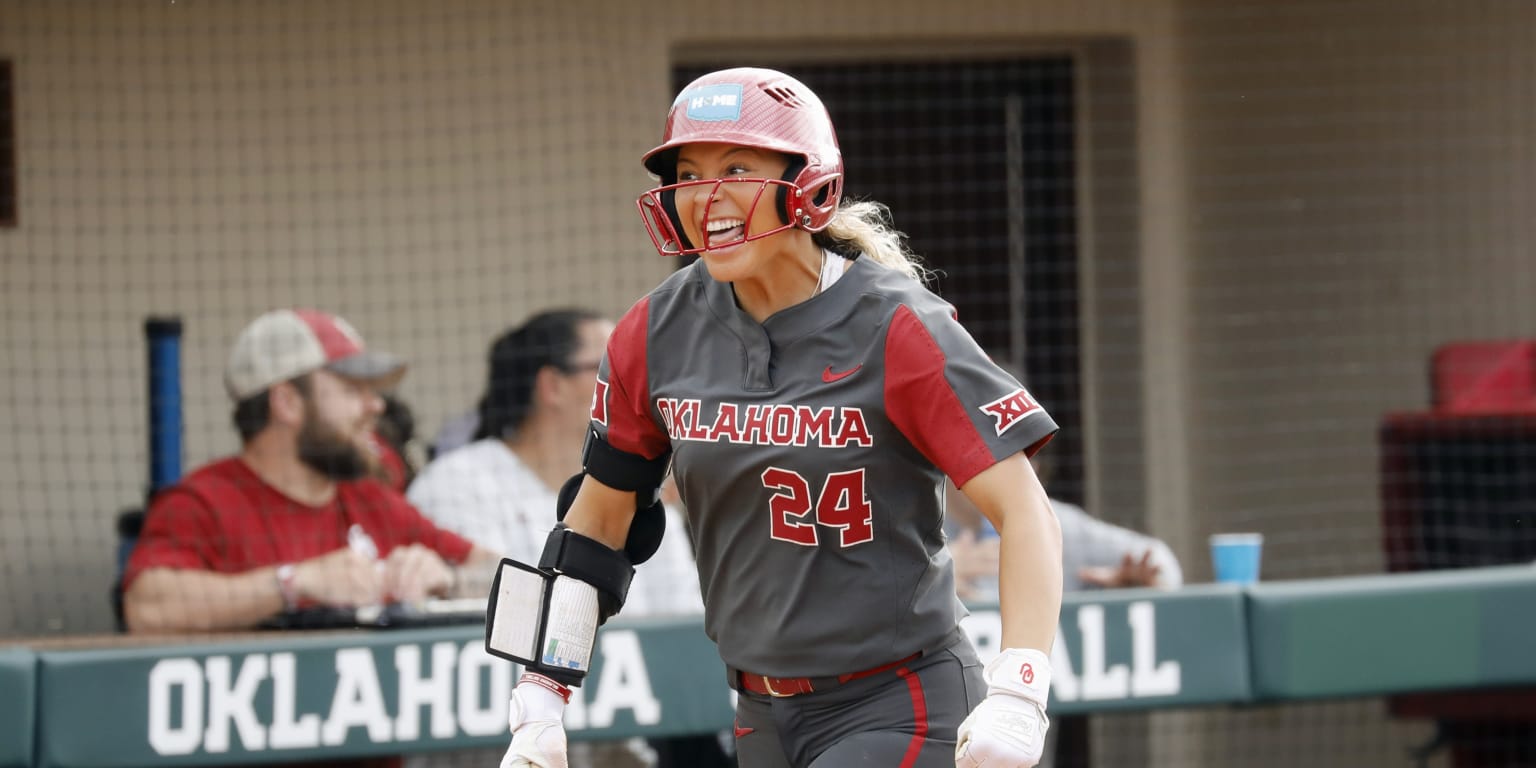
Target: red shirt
(224, 518)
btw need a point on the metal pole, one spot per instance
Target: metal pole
(165, 427)
(1013, 115)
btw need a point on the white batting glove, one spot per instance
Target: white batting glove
(538, 738)
(1007, 729)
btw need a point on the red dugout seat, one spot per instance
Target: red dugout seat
(1458, 489)
(1484, 377)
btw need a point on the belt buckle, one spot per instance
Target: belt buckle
(768, 683)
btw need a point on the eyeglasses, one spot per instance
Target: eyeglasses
(571, 369)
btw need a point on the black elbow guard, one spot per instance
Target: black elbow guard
(569, 553)
(626, 472)
(645, 532)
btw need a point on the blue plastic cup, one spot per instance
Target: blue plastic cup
(1236, 556)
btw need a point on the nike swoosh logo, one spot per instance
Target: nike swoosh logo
(740, 731)
(828, 376)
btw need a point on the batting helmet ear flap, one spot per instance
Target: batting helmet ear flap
(832, 190)
(796, 213)
(823, 202)
(781, 196)
(820, 194)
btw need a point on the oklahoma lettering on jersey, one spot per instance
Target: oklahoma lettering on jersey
(773, 424)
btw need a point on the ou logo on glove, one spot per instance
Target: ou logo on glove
(1027, 672)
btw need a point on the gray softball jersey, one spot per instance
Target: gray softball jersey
(809, 451)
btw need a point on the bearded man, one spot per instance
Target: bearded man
(296, 520)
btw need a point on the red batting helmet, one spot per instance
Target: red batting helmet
(757, 108)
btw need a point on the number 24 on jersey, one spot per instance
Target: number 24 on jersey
(840, 505)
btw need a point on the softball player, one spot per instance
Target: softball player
(812, 395)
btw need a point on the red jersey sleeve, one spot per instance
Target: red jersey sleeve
(180, 531)
(621, 403)
(947, 397)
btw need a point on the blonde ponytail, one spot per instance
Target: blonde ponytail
(864, 227)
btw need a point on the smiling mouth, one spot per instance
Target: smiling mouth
(724, 232)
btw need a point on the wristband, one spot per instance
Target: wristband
(1022, 672)
(547, 684)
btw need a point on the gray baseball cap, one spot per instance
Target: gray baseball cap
(287, 343)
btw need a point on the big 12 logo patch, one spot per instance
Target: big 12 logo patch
(1009, 409)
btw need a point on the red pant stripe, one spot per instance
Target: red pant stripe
(919, 717)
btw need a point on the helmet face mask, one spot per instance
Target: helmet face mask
(757, 108)
(658, 208)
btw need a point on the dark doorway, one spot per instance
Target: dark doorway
(976, 160)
